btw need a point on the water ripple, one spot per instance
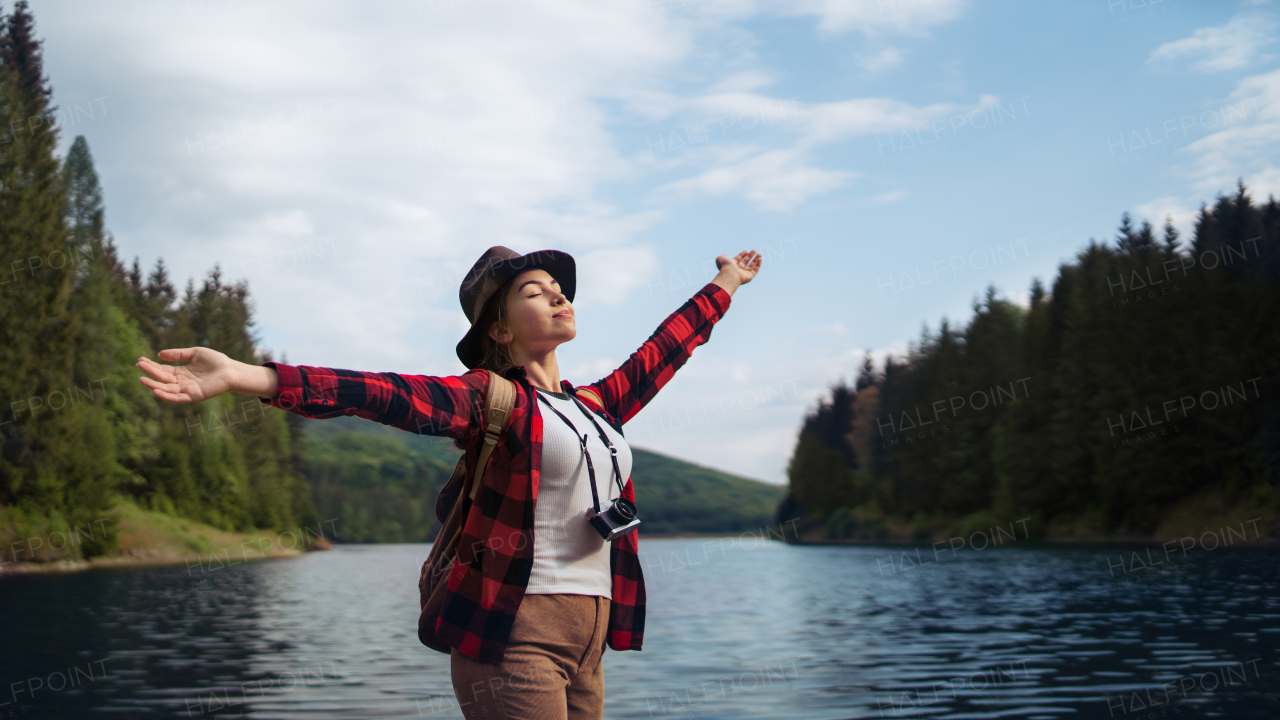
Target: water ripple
(735, 630)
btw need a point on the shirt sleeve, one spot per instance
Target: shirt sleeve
(628, 389)
(447, 406)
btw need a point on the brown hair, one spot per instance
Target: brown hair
(494, 355)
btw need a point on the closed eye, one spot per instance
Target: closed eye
(534, 282)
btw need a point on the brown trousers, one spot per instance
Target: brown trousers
(552, 668)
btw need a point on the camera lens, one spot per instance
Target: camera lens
(623, 510)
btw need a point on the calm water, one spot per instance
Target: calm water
(736, 629)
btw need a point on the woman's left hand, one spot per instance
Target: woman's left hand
(742, 267)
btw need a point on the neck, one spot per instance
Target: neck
(540, 369)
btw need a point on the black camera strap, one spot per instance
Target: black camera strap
(613, 451)
(582, 441)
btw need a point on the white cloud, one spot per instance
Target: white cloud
(775, 180)
(780, 179)
(590, 369)
(1243, 149)
(908, 17)
(607, 276)
(827, 122)
(744, 82)
(835, 17)
(883, 59)
(891, 196)
(428, 138)
(1180, 210)
(1264, 183)
(444, 132)
(1231, 46)
(1018, 297)
(835, 329)
(1247, 144)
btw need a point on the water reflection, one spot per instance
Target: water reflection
(736, 628)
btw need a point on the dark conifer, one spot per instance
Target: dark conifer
(20, 53)
(867, 376)
(1170, 246)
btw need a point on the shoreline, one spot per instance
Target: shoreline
(165, 560)
(157, 557)
(168, 556)
(1264, 542)
(146, 538)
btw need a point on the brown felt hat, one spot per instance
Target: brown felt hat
(497, 265)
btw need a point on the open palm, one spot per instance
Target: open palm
(207, 374)
(746, 263)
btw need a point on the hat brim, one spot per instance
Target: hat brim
(560, 265)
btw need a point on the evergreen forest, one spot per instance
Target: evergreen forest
(78, 429)
(1140, 383)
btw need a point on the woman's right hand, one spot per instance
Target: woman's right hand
(208, 374)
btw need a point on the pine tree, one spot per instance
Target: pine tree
(20, 52)
(1144, 240)
(37, 329)
(1170, 246)
(820, 479)
(1125, 238)
(867, 376)
(122, 417)
(824, 459)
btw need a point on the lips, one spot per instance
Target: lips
(563, 315)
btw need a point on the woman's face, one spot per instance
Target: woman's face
(539, 316)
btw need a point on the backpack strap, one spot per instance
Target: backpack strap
(498, 401)
(590, 395)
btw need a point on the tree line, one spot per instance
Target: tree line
(77, 429)
(1142, 381)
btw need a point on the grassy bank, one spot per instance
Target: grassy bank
(144, 537)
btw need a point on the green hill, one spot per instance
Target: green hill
(379, 482)
(382, 482)
(675, 496)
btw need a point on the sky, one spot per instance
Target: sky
(890, 159)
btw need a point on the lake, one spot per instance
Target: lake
(738, 627)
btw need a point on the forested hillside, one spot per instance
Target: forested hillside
(1141, 384)
(383, 482)
(674, 496)
(78, 428)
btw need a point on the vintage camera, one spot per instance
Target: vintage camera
(617, 519)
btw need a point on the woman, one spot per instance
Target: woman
(536, 593)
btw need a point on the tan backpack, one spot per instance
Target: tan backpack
(451, 506)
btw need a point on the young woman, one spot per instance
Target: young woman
(536, 591)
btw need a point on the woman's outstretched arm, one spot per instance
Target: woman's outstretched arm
(207, 374)
(628, 389)
(422, 404)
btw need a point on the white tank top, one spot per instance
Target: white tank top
(569, 556)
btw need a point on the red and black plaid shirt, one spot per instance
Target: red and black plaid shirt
(495, 555)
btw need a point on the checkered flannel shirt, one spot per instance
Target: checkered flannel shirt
(495, 555)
